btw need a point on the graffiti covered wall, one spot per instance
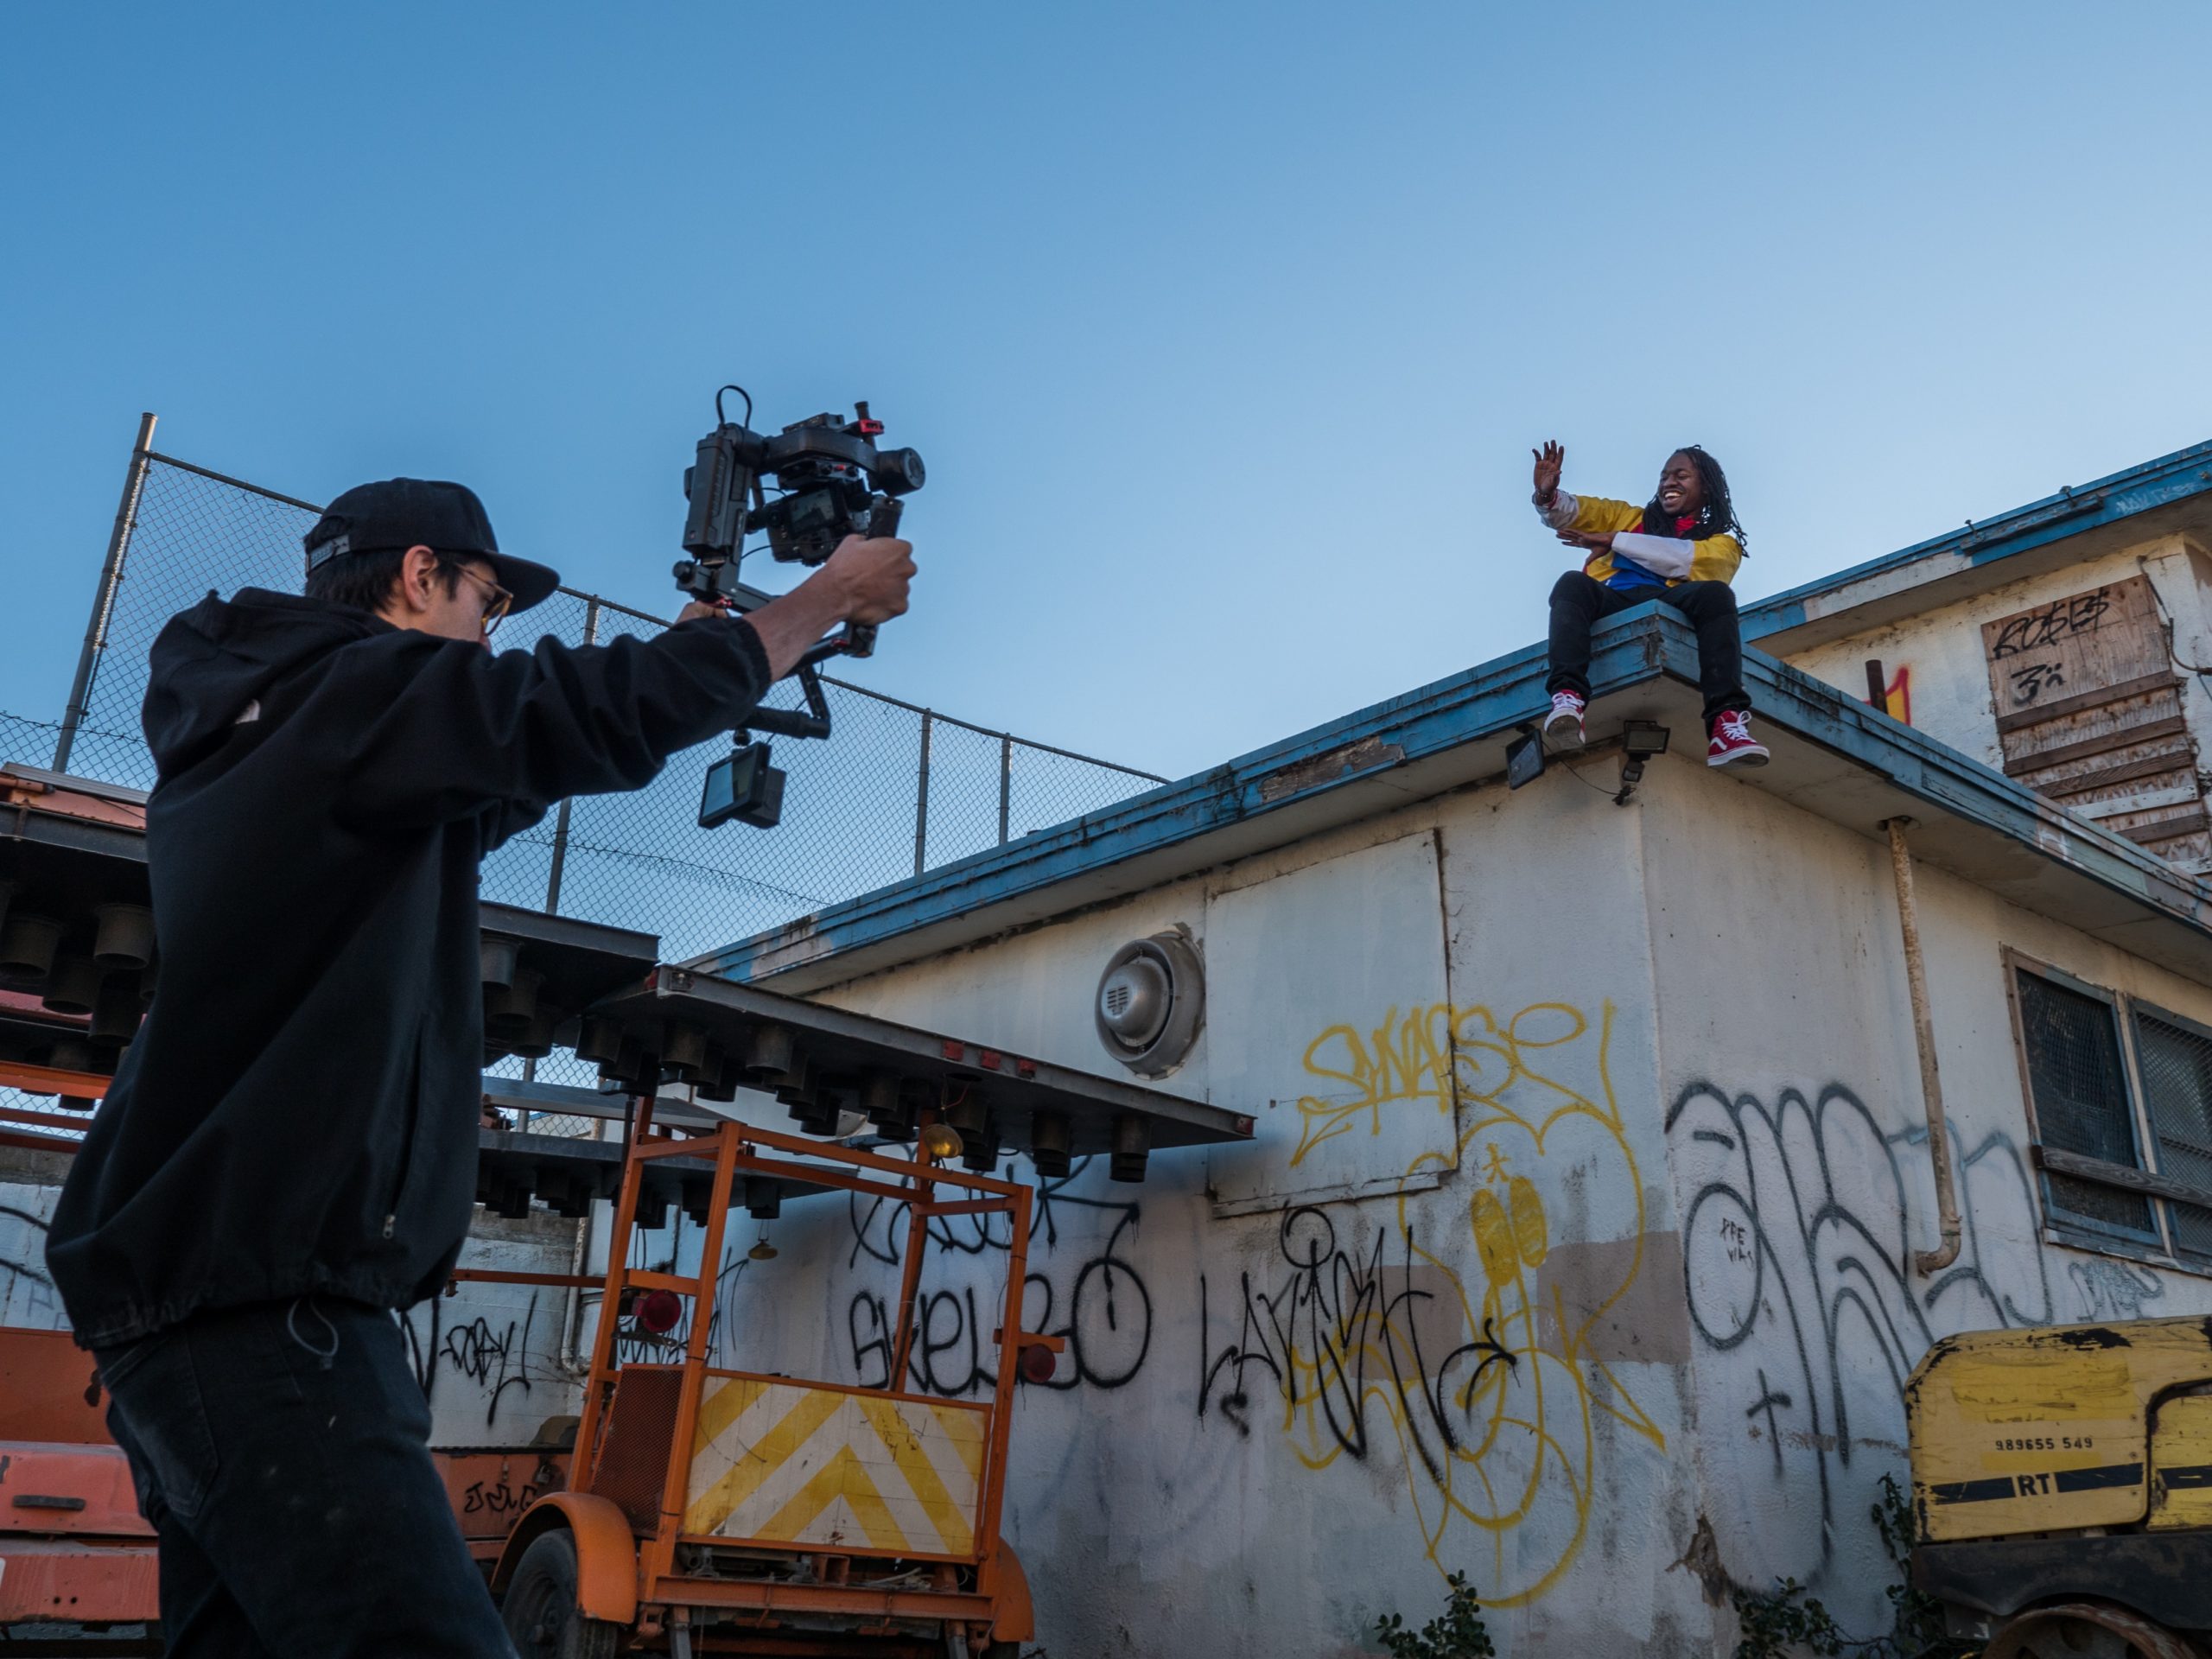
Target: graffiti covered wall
(1632, 1336)
(1798, 1155)
(1470, 1365)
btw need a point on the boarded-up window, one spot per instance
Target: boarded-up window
(2089, 712)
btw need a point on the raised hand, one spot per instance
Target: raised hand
(1549, 459)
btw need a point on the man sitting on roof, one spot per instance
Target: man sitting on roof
(1682, 549)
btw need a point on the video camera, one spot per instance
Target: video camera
(832, 482)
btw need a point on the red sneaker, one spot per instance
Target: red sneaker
(1733, 744)
(1564, 724)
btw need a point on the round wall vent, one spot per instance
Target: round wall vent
(1151, 999)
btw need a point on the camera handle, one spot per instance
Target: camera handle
(859, 638)
(792, 722)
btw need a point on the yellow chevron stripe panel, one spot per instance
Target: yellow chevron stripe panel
(778, 1462)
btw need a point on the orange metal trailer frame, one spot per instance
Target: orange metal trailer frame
(631, 1544)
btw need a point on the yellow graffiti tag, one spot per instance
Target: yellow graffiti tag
(1510, 1448)
(1405, 1060)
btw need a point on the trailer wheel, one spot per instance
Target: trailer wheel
(540, 1606)
(2087, 1629)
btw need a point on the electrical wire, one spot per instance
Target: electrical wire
(2167, 621)
(723, 420)
(1551, 754)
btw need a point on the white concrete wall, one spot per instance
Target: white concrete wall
(1273, 1427)
(1668, 1364)
(1940, 650)
(490, 1357)
(1798, 1153)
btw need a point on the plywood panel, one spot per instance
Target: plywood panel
(1327, 1000)
(2089, 712)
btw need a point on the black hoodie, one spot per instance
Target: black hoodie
(298, 1112)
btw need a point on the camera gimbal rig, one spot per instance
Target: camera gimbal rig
(832, 482)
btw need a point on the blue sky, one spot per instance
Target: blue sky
(1226, 330)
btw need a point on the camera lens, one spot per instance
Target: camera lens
(899, 470)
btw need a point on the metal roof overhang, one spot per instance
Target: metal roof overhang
(582, 962)
(840, 1047)
(1834, 757)
(568, 1174)
(2170, 495)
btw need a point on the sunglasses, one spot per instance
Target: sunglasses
(495, 607)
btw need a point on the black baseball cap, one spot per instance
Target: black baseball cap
(396, 513)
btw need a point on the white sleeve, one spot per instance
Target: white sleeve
(1561, 511)
(1662, 556)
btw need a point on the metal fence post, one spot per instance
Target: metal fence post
(119, 544)
(1005, 781)
(922, 798)
(560, 851)
(560, 818)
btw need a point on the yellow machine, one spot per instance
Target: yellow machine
(2063, 1481)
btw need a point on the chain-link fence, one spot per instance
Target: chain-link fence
(897, 789)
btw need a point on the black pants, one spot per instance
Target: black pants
(281, 1454)
(1578, 602)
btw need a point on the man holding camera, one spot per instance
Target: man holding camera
(287, 1153)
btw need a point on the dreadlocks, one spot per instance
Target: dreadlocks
(1716, 518)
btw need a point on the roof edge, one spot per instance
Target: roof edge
(1383, 743)
(2068, 513)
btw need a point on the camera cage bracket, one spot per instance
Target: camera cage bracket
(836, 483)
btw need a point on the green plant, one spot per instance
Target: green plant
(1776, 1621)
(1458, 1634)
(1917, 1629)
(1785, 1619)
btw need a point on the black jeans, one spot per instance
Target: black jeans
(280, 1453)
(1578, 601)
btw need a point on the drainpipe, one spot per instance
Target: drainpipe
(1923, 1037)
(572, 1315)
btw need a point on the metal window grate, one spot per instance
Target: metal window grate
(2080, 1096)
(637, 1441)
(2176, 1066)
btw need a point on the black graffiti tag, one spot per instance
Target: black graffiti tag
(1105, 1315)
(2031, 682)
(2051, 623)
(1108, 1329)
(1354, 1331)
(1797, 1259)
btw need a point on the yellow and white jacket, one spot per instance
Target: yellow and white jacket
(1713, 558)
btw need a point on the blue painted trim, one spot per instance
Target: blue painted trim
(1493, 698)
(1637, 646)
(2106, 501)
